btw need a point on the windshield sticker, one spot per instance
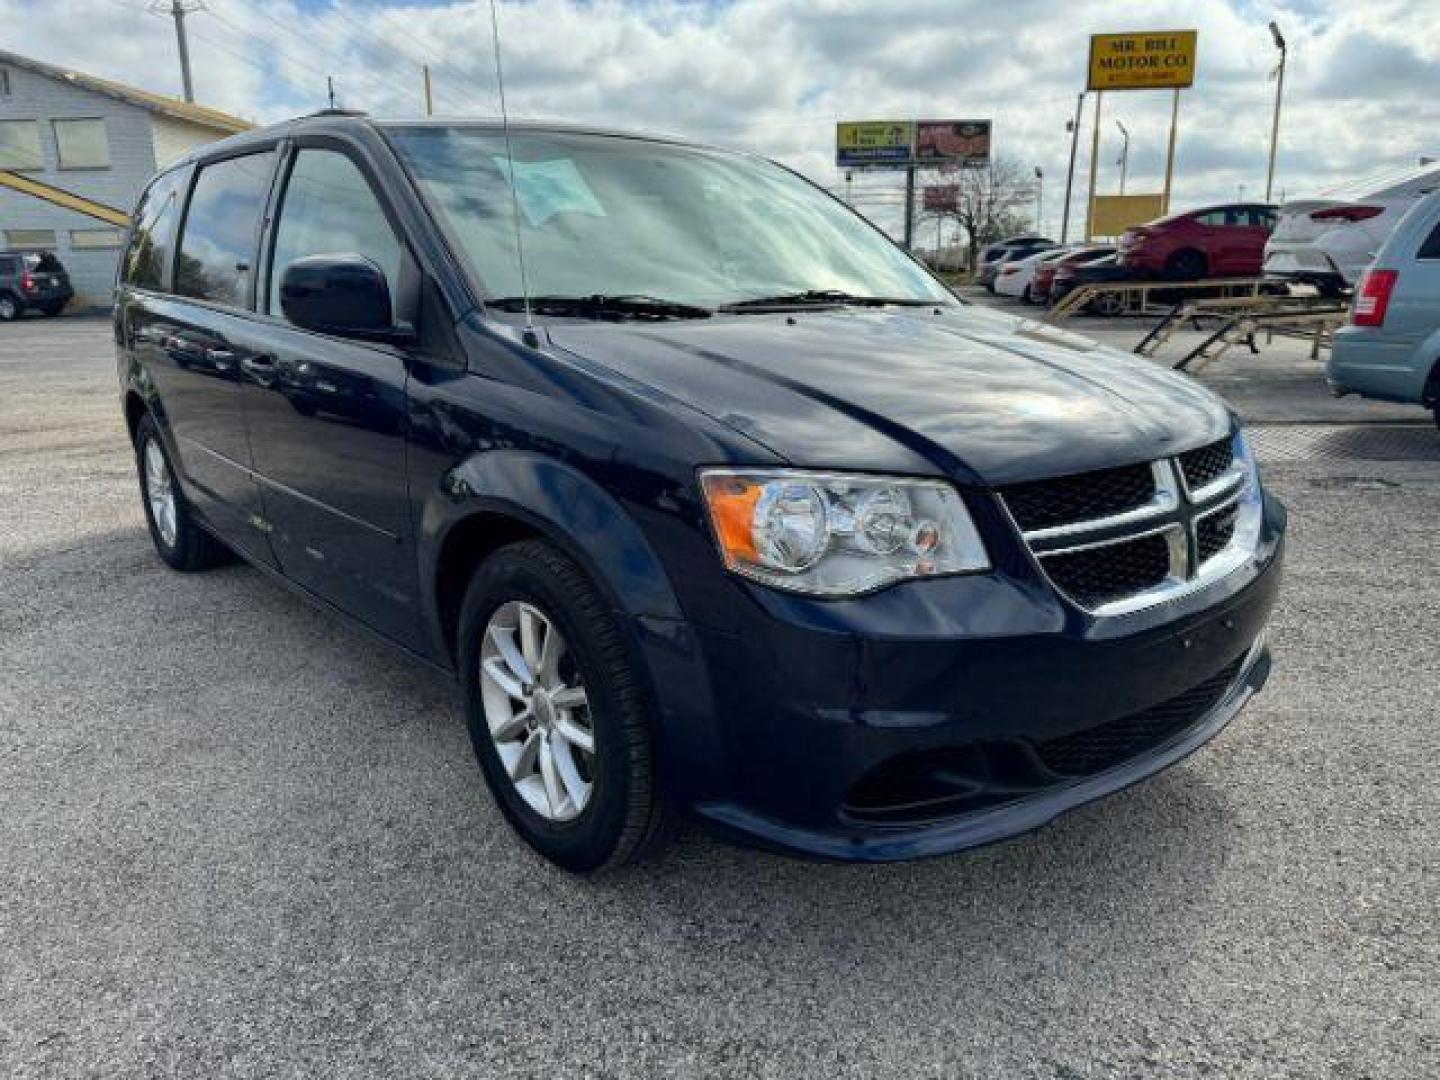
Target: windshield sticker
(547, 188)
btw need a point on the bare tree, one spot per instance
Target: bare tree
(988, 201)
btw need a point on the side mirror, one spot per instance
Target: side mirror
(345, 295)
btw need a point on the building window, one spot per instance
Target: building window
(4, 82)
(81, 144)
(20, 145)
(96, 238)
(30, 238)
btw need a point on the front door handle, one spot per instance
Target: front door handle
(261, 365)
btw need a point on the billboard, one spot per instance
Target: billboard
(862, 143)
(940, 198)
(952, 142)
(1153, 59)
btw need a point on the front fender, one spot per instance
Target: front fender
(565, 505)
(580, 517)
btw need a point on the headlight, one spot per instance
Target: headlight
(1251, 507)
(837, 534)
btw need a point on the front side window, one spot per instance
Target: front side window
(154, 230)
(618, 217)
(20, 145)
(217, 241)
(329, 209)
(81, 144)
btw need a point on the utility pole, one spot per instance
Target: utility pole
(1124, 154)
(429, 103)
(177, 10)
(1073, 127)
(909, 206)
(1279, 74)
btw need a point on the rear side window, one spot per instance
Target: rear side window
(1430, 249)
(222, 224)
(149, 249)
(329, 209)
(8, 267)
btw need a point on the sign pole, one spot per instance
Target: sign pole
(1170, 152)
(1094, 164)
(909, 205)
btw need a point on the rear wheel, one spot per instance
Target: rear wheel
(1027, 296)
(556, 715)
(1108, 303)
(182, 543)
(1186, 264)
(10, 308)
(53, 309)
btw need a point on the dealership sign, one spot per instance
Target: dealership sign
(902, 143)
(1152, 60)
(941, 199)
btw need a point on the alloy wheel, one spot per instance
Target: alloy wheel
(537, 711)
(8, 308)
(160, 492)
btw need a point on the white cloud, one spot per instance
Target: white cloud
(774, 75)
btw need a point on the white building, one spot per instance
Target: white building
(98, 142)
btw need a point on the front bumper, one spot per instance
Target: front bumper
(816, 726)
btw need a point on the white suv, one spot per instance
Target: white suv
(1328, 241)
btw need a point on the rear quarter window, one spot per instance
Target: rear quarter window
(148, 252)
(1430, 249)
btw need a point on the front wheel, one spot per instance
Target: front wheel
(556, 715)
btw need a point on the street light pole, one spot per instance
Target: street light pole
(1124, 154)
(1279, 74)
(1039, 200)
(1072, 126)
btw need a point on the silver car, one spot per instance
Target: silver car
(1390, 348)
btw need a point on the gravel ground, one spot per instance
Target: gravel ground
(239, 840)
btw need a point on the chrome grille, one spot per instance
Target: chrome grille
(1206, 464)
(1081, 497)
(1117, 540)
(1098, 575)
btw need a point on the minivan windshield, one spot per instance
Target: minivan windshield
(624, 217)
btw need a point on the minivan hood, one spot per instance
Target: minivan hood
(984, 397)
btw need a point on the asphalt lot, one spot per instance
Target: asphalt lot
(237, 839)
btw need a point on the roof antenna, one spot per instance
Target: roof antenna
(531, 338)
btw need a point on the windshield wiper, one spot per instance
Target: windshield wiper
(821, 298)
(602, 306)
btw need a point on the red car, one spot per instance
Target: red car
(1044, 279)
(1217, 241)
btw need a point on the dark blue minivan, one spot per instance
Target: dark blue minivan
(711, 497)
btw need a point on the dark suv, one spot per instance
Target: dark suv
(34, 280)
(709, 495)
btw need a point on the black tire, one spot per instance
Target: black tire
(10, 307)
(193, 548)
(1108, 305)
(51, 310)
(627, 816)
(1025, 297)
(1187, 264)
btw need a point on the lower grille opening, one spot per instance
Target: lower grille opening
(1214, 533)
(1097, 575)
(925, 785)
(1099, 748)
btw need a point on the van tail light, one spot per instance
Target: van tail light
(1347, 213)
(1372, 298)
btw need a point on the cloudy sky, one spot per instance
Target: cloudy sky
(774, 75)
